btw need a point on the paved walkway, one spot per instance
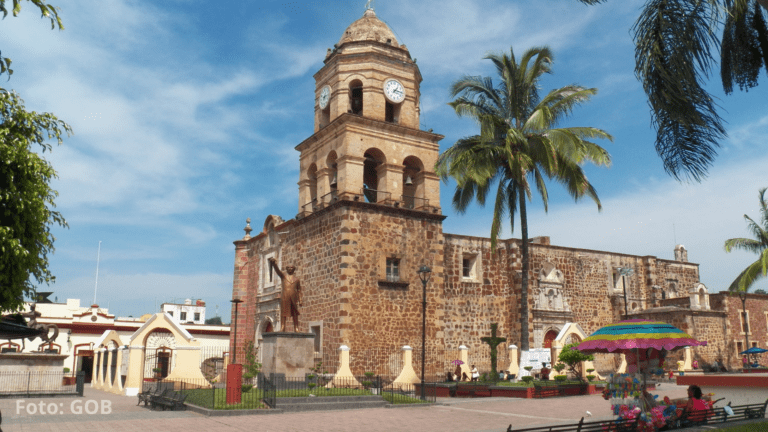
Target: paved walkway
(100, 411)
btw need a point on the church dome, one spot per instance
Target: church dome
(369, 28)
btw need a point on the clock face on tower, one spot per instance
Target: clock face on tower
(394, 91)
(325, 96)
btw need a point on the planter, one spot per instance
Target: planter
(516, 392)
(755, 370)
(70, 380)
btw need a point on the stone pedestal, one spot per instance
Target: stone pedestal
(291, 354)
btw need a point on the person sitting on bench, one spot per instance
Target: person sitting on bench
(696, 410)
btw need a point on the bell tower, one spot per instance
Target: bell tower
(367, 145)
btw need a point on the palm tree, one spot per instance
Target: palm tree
(517, 145)
(758, 269)
(674, 40)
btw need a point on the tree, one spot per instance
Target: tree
(251, 366)
(214, 321)
(46, 10)
(518, 144)
(758, 269)
(572, 358)
(674, 40)
(26, 198)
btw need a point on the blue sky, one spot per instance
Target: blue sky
(186, 115)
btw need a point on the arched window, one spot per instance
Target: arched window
(413, 183)
(333, 173)
(10, 347)
(312, 176)
(356, 97)
(371, 190)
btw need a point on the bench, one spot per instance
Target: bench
(173, 400)
(716, 415)
(155, 399)
(582, 426)
(148, 395)
(720, 415)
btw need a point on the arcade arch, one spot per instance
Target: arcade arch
(413, 183)
(372, 166)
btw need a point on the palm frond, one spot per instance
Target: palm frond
(671, 68)
(745, 244)
(750, 275)
(499, 212)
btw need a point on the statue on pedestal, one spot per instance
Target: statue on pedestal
(291, 298)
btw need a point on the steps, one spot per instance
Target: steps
(299, 404)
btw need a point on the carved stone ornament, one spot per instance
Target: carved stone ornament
(550, 273)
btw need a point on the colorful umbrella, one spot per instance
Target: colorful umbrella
(457, 362)
(632, 334)
(754, 350)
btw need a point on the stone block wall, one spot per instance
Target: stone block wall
(757, 309)
(487, 296)
(340, 252)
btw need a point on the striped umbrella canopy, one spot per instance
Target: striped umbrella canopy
(632, 334)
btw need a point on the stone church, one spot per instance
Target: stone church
(369, 216)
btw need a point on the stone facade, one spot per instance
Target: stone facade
(369, 217)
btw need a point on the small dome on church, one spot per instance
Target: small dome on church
(369, 28)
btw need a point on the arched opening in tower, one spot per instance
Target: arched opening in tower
(413, 183)
(371, 190)
(356, 97)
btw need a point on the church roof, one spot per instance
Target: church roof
(369, 28)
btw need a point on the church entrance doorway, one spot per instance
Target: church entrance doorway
(549, 337)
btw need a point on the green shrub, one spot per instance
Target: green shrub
(528, 368)
(66, 370)
(591, 377)
(527, 379)
(560, 378)
(245, 388)
(367, 384)
(369, 374)
(590, 370)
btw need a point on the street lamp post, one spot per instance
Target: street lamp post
(424, 274)
(234, 348)
(625, 271)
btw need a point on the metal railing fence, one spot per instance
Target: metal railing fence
(398, 395)
(40, 383)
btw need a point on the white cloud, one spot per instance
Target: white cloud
(650, 219)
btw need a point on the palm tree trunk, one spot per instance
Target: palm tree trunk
(524, 282)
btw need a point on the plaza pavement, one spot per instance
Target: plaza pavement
(448, 415)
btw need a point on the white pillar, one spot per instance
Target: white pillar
(688, 359)
(407, 377)
(464, 357)
(344, 377)
(514, 367)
